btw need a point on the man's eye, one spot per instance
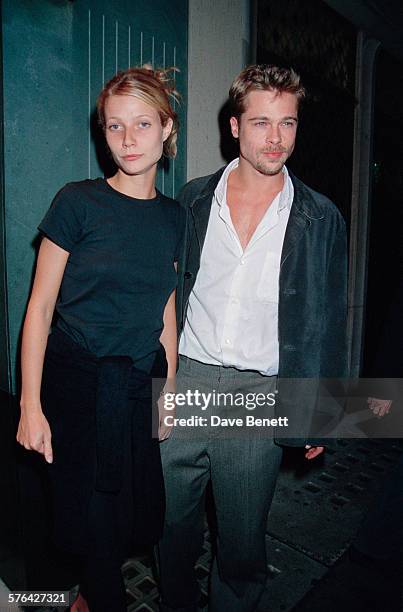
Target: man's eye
(258, 123)
(144, 124)
(288, 123)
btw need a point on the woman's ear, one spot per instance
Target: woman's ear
(167, 129)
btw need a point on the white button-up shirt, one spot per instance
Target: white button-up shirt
(232, 315)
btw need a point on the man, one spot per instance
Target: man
(261, 296)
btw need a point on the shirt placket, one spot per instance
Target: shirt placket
(233, 309)
(242, 273)
(233, 305)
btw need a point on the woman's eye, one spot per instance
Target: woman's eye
(113, 127)
(144, 124)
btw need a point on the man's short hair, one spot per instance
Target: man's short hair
(263, 77)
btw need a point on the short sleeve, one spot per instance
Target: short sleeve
(63, 223)
(180, 231)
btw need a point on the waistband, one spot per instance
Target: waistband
(230, 372)
(60, 343)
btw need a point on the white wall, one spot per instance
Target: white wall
(218, 49)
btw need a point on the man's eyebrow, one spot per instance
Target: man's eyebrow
(265, 118)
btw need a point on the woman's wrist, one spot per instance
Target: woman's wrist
(30, 406)
(169, 385)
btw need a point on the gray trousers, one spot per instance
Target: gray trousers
(243, 469)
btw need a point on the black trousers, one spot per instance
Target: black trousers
(102, 527)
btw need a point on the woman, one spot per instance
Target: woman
(106, 262)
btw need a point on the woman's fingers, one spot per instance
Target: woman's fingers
(47, 448)
(165, 419)
(34, 434)
(163, 432)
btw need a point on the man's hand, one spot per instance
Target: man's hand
(313, 451)
(379, 407)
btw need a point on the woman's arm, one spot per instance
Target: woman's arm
(169, 336)
(170, 343)
(33, 430)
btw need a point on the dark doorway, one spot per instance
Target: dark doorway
(384, 307)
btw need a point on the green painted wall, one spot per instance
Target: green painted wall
(4, 348)
(56, 56)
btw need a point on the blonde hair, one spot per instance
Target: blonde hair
(154, 87)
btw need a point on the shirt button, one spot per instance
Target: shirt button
(228, 341)
(242, 262)
(235, 301)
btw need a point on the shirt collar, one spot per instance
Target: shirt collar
(287, 192)
(221, 189)
(284, 198)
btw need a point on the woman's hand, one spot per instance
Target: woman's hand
(166, 410)
(164, 425)
(34, 432)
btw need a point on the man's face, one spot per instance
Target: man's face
(267, 130)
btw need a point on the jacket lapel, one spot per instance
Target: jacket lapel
(296, 227)
(200, 214)
(304, 209)
(200, 208)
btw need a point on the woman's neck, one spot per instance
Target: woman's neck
(140, 186)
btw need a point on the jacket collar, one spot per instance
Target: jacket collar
(305, 202)
(209, 187)
(305, 209)
(303, 199)
(201, 212)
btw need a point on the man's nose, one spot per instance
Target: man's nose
(273, 134)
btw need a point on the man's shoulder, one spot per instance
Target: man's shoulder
(322, 200)
(314, 202)
(199, 186)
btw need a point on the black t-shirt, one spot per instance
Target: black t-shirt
(120, 271)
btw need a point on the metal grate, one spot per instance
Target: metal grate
(316, 510)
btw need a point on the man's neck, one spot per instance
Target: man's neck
(248, 200)
(254, 183)
(249, 180)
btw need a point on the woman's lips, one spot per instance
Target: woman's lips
(132, 157)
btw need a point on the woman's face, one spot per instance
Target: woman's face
(134, 134)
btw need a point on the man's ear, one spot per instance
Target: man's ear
(167, 129)
(234, 126)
